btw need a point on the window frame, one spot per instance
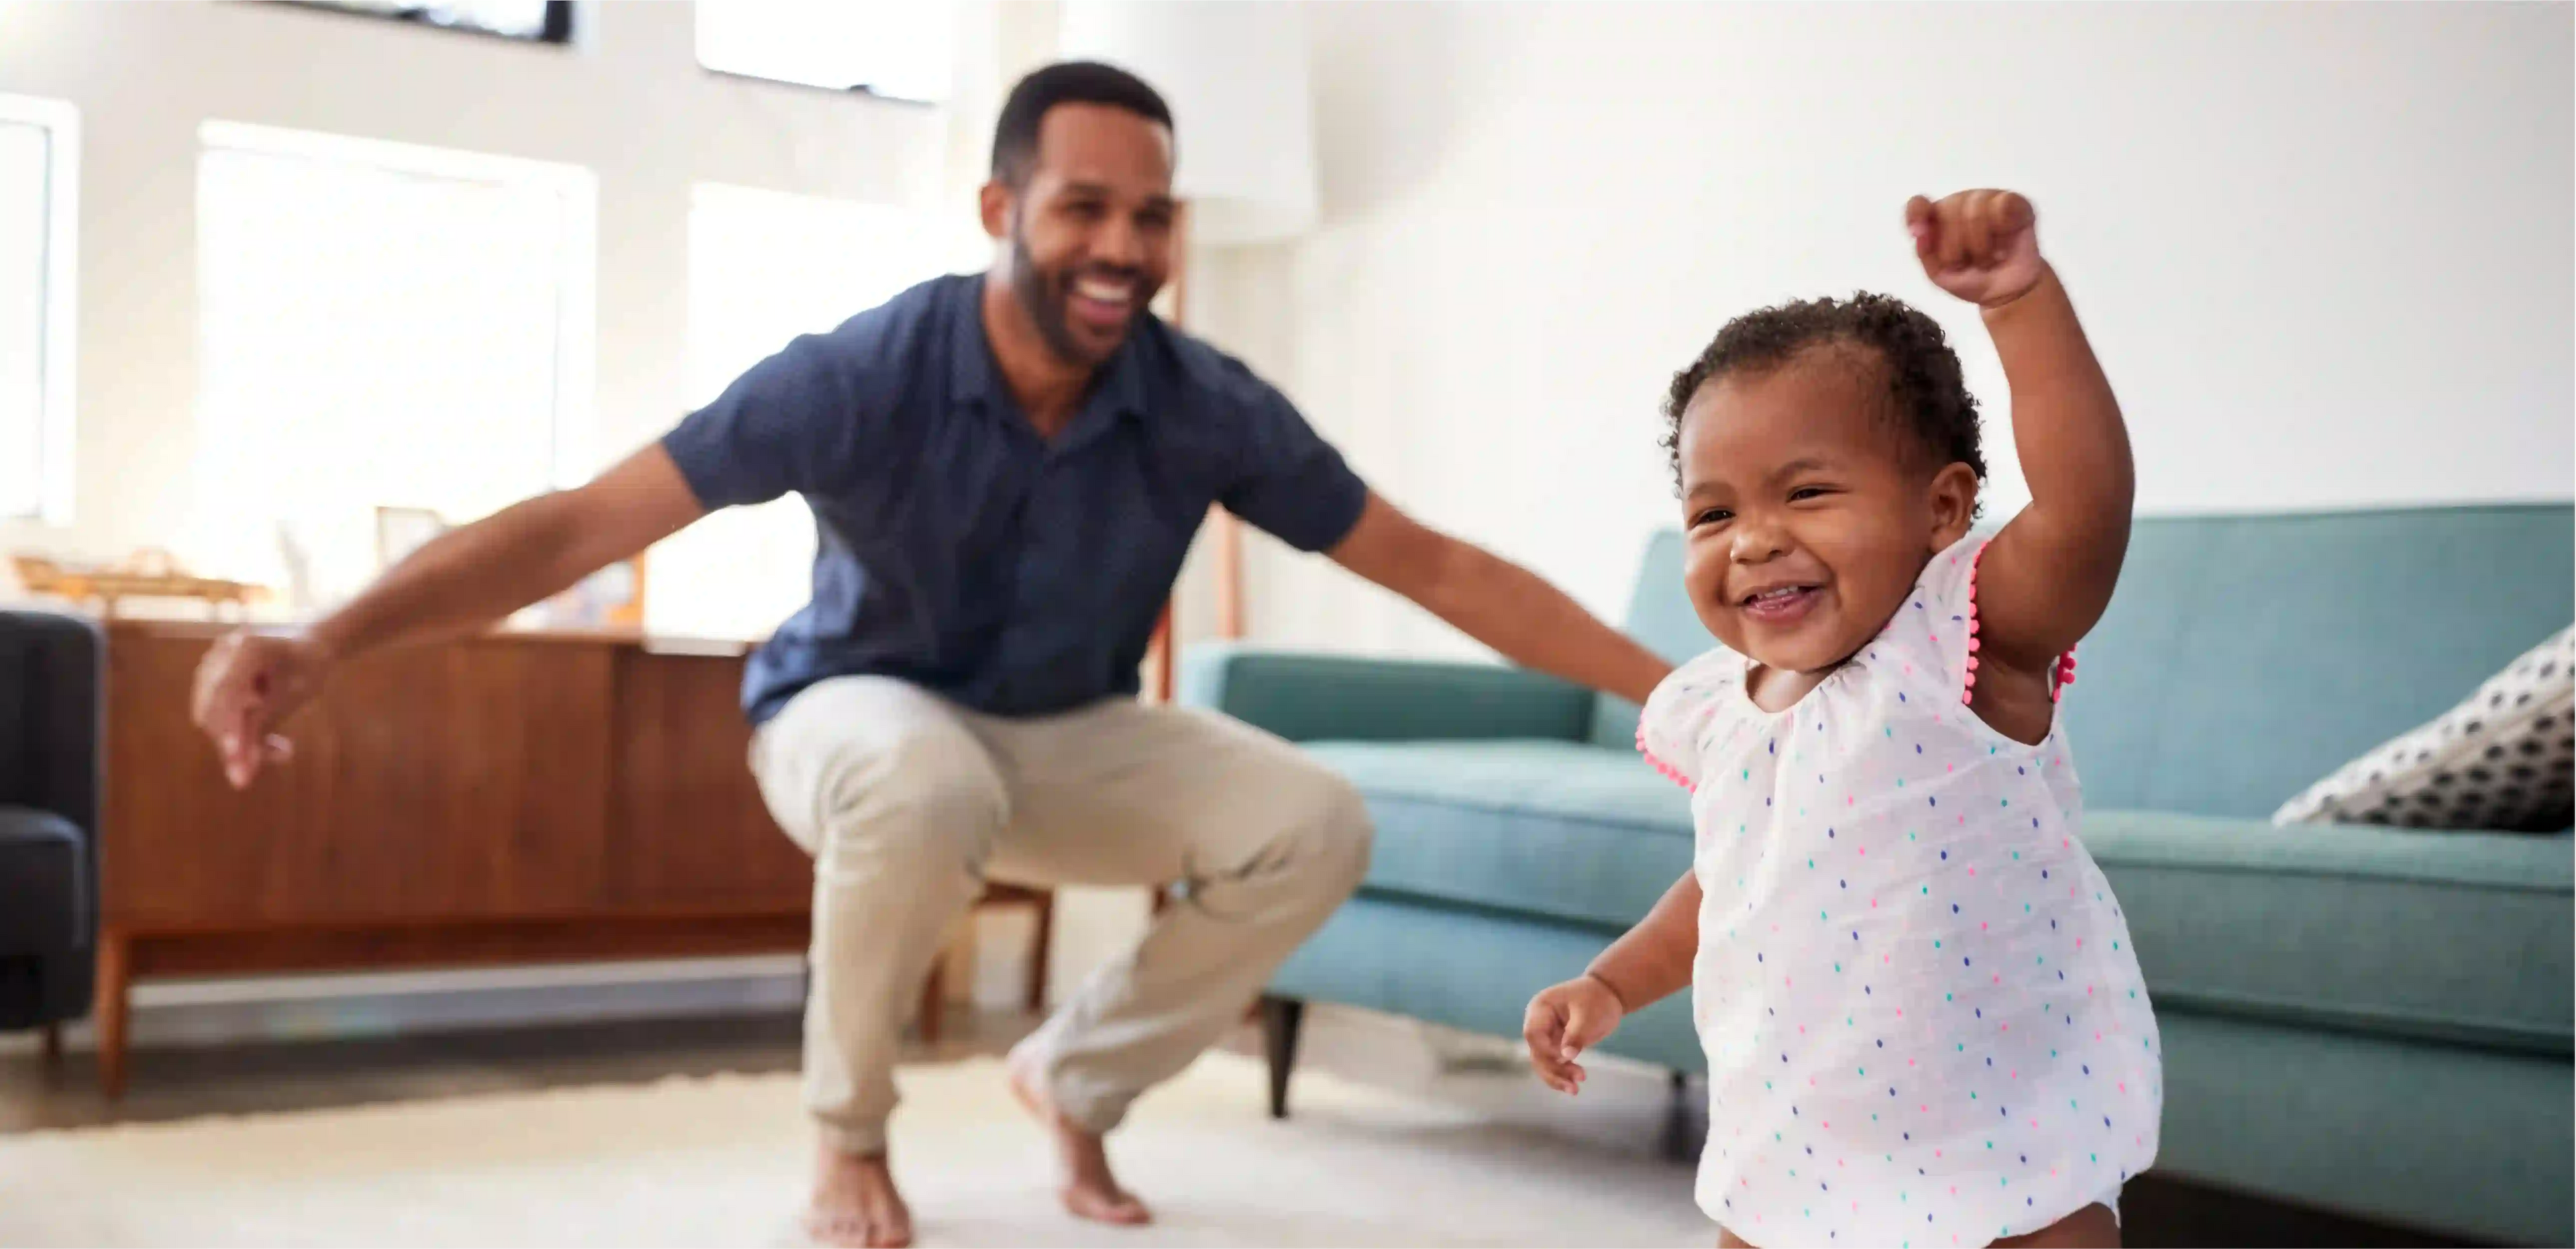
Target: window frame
(860, 90)
(558, 30)
(58, 320)
(573, 438)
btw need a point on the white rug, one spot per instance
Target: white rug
(723, 1161)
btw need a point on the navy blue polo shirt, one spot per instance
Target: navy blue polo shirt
(959, 550)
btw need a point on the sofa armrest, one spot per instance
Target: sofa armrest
(44, 883)
(1312, 697)
(51, 676)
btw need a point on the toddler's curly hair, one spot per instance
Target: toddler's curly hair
(1925, 392)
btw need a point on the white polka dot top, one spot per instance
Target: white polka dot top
(1923, 1018)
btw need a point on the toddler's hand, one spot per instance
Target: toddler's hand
(1982, 246)
(1564, 1021)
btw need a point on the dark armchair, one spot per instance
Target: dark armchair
(51, 679)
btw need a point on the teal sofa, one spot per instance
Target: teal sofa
(2371, 1021)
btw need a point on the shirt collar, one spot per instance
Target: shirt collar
(974, 376)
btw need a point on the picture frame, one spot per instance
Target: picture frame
(553, 25)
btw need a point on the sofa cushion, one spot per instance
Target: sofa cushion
(2243, 657)
(2449, 936)
(1557, 829)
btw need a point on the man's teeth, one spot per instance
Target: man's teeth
(1104, 292)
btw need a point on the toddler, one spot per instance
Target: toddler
(1923, 1018)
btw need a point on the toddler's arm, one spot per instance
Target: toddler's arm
(1652, 961)
(2047, 577)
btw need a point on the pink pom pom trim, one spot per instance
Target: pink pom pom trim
(1968, 687)
(1670, 772)
(2065, 673)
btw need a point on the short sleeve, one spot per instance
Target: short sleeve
(770, 431)
(1295, 486)
(1674, 729)
(1939, 619)
(1944, 607)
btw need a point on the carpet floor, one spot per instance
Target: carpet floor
(722, 1161)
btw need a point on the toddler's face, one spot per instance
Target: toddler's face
(1806, 521)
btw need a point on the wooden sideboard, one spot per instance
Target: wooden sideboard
(510, 798)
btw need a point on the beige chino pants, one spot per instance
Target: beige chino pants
(907, 802)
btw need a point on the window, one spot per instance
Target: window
(894, 49)
(39, 141)
(381, 325)
(538, 21)
(764, 267)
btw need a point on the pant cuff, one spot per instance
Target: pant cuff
(865, 1142)
(1091, 1105)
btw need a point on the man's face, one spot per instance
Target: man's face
(1090, 228)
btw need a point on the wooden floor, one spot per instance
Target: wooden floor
(181, 1083)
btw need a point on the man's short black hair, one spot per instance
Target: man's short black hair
(1925, 392)
(1015, 136)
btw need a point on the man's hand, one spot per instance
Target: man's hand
(1982, 246)
(1565, 1020)
(246, 686)
(462, 581)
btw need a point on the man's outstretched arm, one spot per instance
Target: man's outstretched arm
(1496, 602)
(464, 580)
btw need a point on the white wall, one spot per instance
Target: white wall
(631, 104)
(2323, 250)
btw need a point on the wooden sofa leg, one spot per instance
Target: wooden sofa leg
(111, 1010)
(1685, 1131)
(1280, 1019)
(1041, 948)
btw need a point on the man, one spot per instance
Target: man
(1005, 471)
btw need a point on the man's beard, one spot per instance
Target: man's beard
(1044, 301)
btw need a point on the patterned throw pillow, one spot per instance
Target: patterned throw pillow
(2505, 759)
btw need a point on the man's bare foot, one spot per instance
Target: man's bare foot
(855, 1203)
(1090, 1191)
